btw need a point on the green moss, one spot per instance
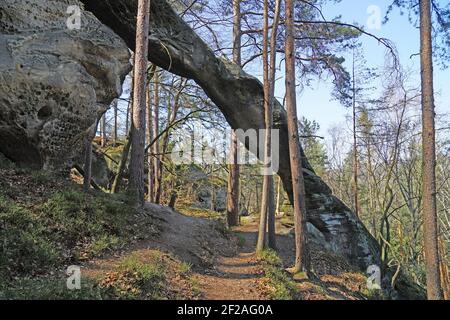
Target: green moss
(281, 283)
(45, 288)
(184, 268)
(67, 227)
(25, 249)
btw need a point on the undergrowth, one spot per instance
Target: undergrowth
(280, 283)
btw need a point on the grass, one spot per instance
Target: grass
(241, 240)
(200, 212)
(195, 286)
(280, 282)
(49, 288)
(135, 279)
(185, 268)
(47, 226)
(47, 223)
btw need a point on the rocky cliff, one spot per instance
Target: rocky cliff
(54, 81)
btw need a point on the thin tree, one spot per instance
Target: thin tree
(139, 104)
(265, 198)
(434, 289)
(355, 147)
(272, 72)
(277, 207)
(233, 176)
(103, 140)
(150, 182)
(122, 164)
(156, 153)
(298, 187)
(115, 127)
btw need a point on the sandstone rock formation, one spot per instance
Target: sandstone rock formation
(173, 45)
(54, 82)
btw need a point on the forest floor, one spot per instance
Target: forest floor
(245, 276)
(155, 253)
(236, 277)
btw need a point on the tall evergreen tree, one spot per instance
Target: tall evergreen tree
(302, 263)
(434, 290)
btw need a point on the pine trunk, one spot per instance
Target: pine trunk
(115, 107)
(156, 153)
(136, 187)
(268, 179)
(122, 164)
(272, 72)
(355, 148)
(430, 225)
(87, 164)
(233, 176)
(301, 245)
(150, 195)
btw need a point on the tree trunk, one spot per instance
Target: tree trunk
(266, 201)
(115, 107)
(156, 153)
(233, 183)
(137, 159)
(272, 72)
(298, 187)
(122, 164)
(127, 118)
(233, 175)
(355, 148)
(430, 226)
(173, 200)
(103, 140)
(150, 175)
(87, 164)
(277, 208)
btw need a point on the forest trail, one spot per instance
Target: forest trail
(235, 277)
(226, 267)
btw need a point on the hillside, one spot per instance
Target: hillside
(48, 223)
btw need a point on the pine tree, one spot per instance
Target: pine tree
(298, 187)
(139, 104)
(233, 176)
(430, 237)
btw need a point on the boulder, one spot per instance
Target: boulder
(55, 81)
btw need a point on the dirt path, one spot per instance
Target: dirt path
(236, 277)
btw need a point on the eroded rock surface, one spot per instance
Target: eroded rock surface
(54, 82)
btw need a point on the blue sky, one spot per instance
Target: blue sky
(315, 103)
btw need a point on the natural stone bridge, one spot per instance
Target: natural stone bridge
(54, 83)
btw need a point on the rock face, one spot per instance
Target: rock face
(54, 82)
(173, 45)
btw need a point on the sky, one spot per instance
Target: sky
(315, 103)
